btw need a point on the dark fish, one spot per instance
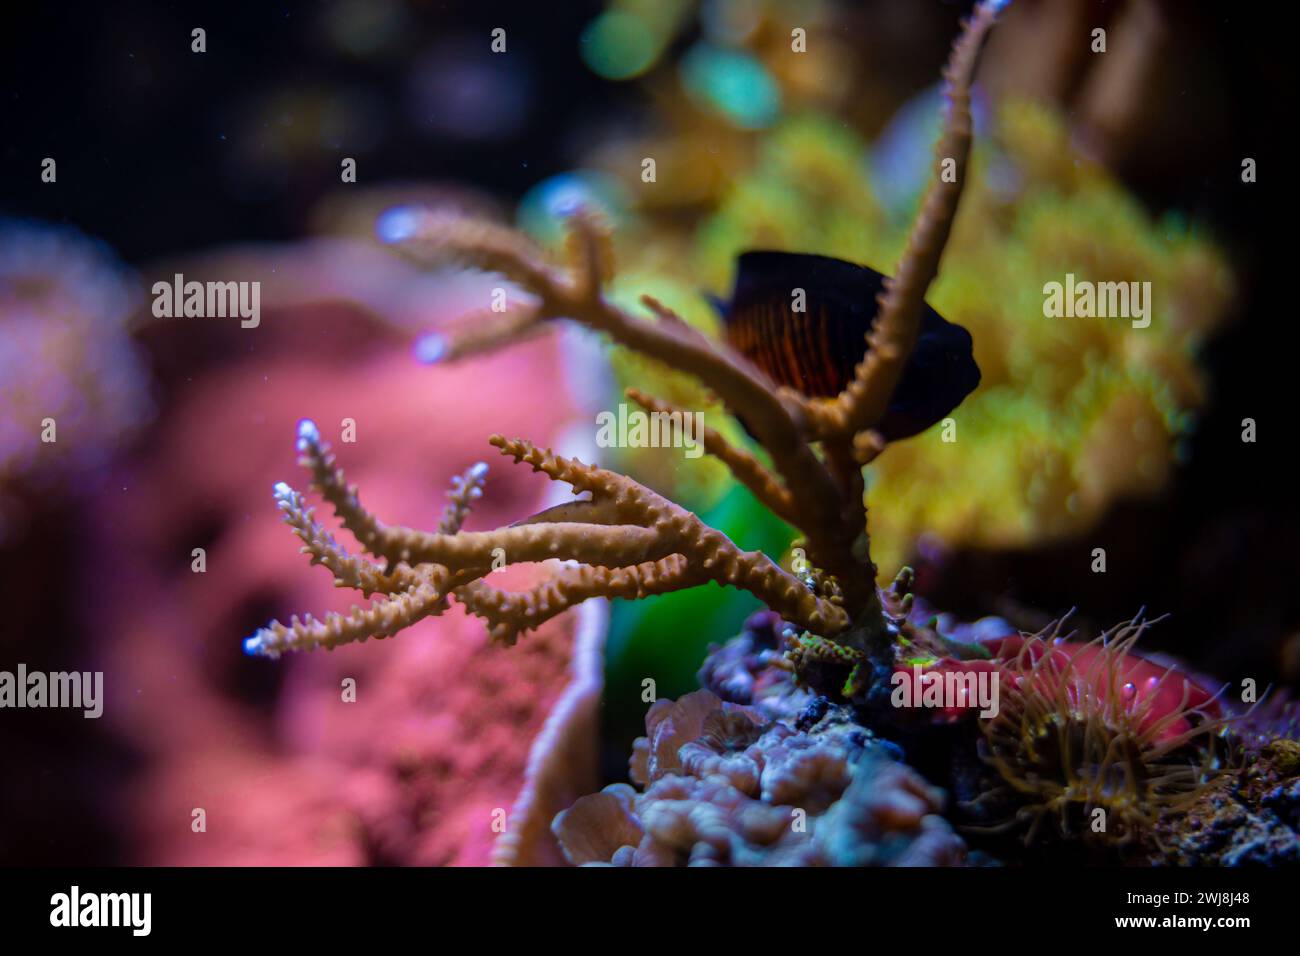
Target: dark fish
(816, 350)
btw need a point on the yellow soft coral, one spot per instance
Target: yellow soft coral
(1072, 413)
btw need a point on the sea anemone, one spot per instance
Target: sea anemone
(1097, 739)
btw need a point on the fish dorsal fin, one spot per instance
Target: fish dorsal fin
(768, 275)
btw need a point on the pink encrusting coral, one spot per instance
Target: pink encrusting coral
(427, 763)
(424, 769)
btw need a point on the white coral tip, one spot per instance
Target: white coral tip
(430, 349)
(397, 224)
(308, 434)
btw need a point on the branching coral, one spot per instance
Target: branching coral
(1071, 414)
(624, 539)
(418, 767)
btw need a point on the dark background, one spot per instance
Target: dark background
(161, 149)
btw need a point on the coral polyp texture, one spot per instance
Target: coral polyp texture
(622, 539)
(1097, 742)
(723, 785)
(1094, 748)
(782, 758)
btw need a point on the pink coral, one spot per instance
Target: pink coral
(72, 383)
(443, 723)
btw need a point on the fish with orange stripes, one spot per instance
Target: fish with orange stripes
(815, 350)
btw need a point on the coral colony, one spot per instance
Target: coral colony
(1071, 414)
(627, 540)
(791, 751)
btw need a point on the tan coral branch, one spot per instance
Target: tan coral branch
(629, 541)
(432, 236)
(510, 614)
(384, 618)
(479, 333)
(466, 488)
(576, 295)
(329, 480)
(349, 571)
(677, 530)
(655, 547)
(747, 469)
(893, 336)
(408, 594)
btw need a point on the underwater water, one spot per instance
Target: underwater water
(736, 433)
